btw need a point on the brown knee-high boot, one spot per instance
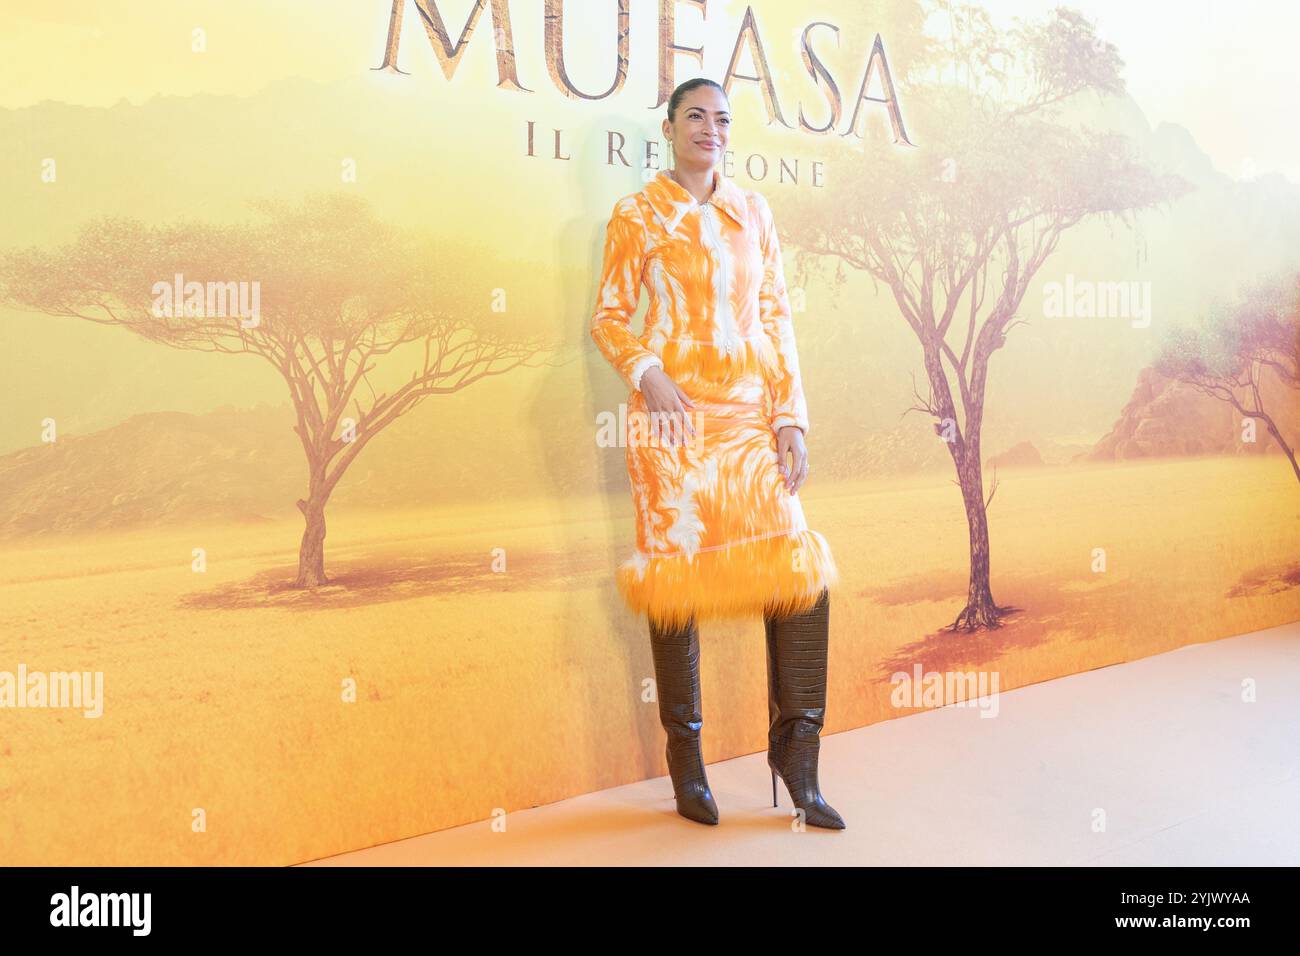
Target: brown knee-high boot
(796, 680)
(677, 682)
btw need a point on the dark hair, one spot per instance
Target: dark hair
(683, 88)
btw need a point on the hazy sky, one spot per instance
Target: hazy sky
(1225, 69)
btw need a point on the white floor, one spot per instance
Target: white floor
(1157, 762)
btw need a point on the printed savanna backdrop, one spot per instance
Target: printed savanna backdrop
(311, 479)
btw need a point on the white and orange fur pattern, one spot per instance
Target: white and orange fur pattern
(717, 533)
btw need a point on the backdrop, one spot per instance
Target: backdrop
(311, 483)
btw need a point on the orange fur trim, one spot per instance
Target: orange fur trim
(783, 574)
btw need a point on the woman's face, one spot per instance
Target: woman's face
(701, 130)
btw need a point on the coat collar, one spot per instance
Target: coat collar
(671, 200)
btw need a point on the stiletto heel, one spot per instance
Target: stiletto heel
(773, 787)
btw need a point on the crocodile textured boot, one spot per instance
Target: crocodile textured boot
(796, 680)
(677, 684)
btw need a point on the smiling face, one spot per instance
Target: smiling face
(701, 128)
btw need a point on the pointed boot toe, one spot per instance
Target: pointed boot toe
(699, 806)
(804, 793)
(824, 816)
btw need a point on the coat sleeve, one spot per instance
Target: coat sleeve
(786, 386)
(618, 294)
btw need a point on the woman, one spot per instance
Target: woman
(720, 532)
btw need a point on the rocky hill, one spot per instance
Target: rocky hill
(1165, 417)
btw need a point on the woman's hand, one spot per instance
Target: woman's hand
(664, 396)
(789, 442)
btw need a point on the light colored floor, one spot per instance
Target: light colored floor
(1157, 762)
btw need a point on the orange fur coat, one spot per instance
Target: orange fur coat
(717, 534)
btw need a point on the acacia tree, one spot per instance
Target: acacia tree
(1237, 346)
(336, 295)
(957, 228)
